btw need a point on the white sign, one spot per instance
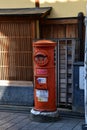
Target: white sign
(42, 95)
(43, 99)
(41, 80)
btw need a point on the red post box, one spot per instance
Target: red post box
(44, 76)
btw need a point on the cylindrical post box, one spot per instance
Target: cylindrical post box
(44, 75)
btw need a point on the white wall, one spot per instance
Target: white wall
(61, 8)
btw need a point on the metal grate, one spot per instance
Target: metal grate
(67, 53)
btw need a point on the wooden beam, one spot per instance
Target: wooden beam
(37, 4)
(61, 21)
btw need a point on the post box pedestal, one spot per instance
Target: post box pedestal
(44, 79)
(44, 116)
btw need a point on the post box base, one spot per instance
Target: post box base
(84, 127)
(44, 116)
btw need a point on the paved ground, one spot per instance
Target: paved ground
(10, 120)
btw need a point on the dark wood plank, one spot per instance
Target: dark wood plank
(55, 126)
(21, 121)
(79, 125)
(70, 124)
(42, 126)
(19, 124)
(14, 121)
(30, 126)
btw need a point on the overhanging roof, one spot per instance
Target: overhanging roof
(38, 12)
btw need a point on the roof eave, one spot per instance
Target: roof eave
(30, 12)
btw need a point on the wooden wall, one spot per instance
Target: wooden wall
(16, 35)
(65, 28)
(69, 35)
(62, 28)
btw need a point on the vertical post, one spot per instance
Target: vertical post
(84, 127)
(85, 72)
(37, 3)
(80, 34)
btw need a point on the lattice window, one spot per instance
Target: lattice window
(16, 50)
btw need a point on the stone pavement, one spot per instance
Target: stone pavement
(13, 120)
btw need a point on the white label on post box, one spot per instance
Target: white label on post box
(42, 95)
(41, 80)
(43, 99)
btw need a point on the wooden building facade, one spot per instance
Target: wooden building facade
(18, 29)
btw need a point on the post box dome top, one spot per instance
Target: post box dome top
(44, 43)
